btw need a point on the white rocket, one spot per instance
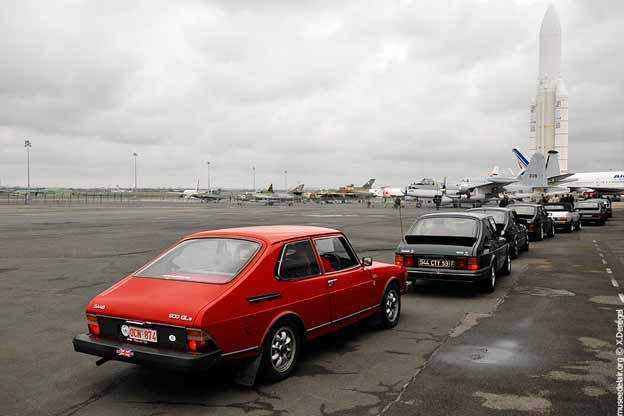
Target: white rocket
(549, 111)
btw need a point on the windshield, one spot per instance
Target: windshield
(555, 208)
(204, 260)
(456, 227)
(524, 211)
(587, 204)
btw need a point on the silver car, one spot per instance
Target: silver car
(564, 215)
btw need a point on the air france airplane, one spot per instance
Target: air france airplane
(611, 182)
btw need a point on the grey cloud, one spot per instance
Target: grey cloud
(333, 92)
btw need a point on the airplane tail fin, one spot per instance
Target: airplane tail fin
(523, 162)
(535, 172)
(297, 189)
(552, 164)
(197, 189)
(270, 189)
(495, 171)
(369, 184)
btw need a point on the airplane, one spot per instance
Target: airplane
(388, 192)
(270, 197)
(467, 189)
(204, 196)
(603, 183)
(534, 180)
(346, 192)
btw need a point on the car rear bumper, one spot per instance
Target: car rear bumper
(149, 356)
(448, 275)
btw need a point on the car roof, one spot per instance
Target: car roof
(526, 205)
(489, 209)
(269, 233)
(464, 214)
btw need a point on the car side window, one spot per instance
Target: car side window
(335, 254)
(492, 223)
(487, 231)
(298, 261)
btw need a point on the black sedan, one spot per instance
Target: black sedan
(536, 219)
(455, 247)
(508, 225)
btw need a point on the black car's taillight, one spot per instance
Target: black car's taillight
(467, 263)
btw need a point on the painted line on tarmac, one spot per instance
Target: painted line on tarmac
(614, 283)
(621, 297)
(593, 241)
(601, 255)
(609, 271)
(604, 261)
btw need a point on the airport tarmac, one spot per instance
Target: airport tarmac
(542, 343)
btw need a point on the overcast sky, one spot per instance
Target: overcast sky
(334, 92)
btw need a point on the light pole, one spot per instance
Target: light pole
(208, 165)
(28, 145)
(285, 180)
(253, 169)
(135, 171)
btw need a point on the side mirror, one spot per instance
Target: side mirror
(367, 261)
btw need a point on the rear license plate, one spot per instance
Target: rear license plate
(134, 333)
(437, 263)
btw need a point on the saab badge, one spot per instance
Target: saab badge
(122, 352)
(172, 338)
(125, 330)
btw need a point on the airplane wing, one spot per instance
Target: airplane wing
(561, 178)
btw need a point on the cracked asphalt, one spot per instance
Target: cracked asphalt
(543, 343)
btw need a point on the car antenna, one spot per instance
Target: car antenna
(401, 222)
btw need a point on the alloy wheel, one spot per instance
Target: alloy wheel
(392, 305)
(283, 348)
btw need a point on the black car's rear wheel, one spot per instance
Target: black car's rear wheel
(515, 252)
(280, 350)
(551, 233)
(489, 284)
(506, 270)
(540, 233)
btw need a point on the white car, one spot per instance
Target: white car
(564, 215)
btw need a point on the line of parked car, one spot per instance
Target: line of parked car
(255, 294)
(477, 246)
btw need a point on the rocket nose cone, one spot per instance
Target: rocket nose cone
(550, 22)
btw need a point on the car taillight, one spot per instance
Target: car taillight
(398, 260)
(473, 263)
(531, 226)
(93, 324)
(198, 340)
(461, 263)
(408, 261)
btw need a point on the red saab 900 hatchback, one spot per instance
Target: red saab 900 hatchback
(239, 293)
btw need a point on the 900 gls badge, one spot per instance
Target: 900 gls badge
(180, 317)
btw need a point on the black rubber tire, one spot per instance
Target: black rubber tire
(489, 285)
(267, 369)
(540, 235)
(388, 320)
(515, 252)
(506, 270)
(551, 233)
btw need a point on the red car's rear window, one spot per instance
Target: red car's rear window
(205, 260)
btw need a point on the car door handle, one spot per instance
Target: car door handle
(331, 282)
